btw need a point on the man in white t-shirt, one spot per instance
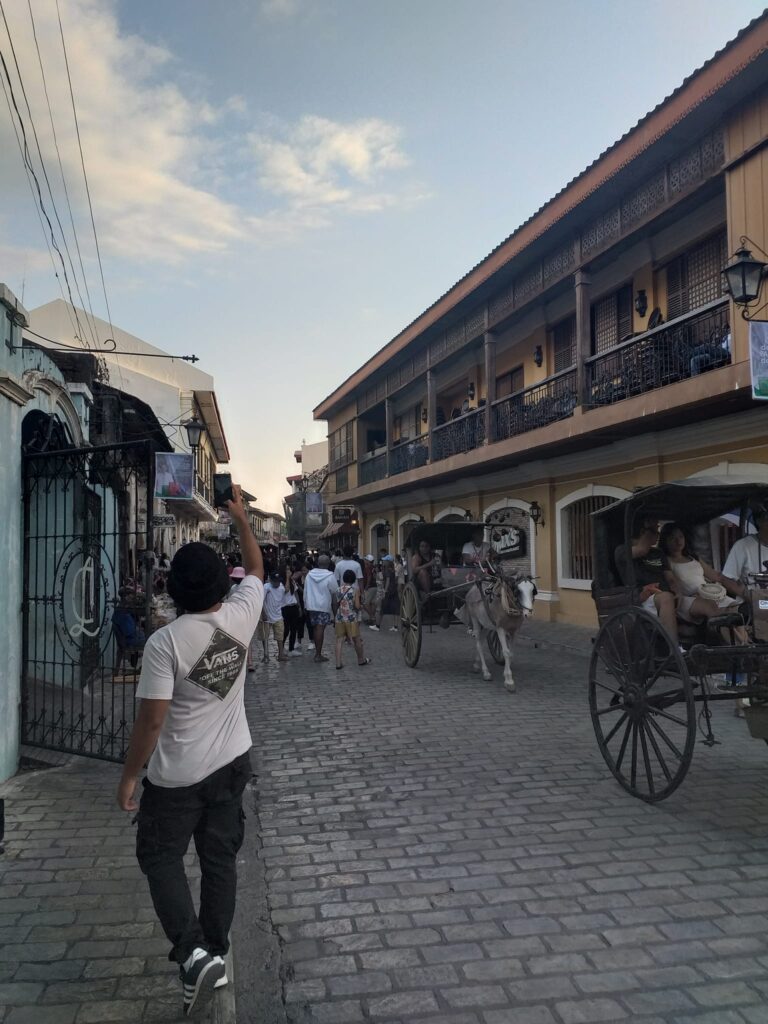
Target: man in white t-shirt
(348, 562)
(750, 554)
(192, 722)
(272, 617)
(476, 550)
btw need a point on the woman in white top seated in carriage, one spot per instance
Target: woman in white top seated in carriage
(687, 576)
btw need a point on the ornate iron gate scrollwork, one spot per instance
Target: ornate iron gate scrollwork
(87, 595)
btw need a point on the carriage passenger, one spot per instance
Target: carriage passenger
(687, 575)
(642, 563)
(422, 563)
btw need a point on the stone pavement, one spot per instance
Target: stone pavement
(79, 941)
(438, 850)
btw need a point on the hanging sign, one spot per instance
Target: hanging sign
(340, 514)
(509, 541)
(164, 522)
(174, 475)
(758, 358)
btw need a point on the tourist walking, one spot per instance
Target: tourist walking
(320, 589)
(348, 563)
(272, 623)
(348, 619)
(292, 614)
(192, 728)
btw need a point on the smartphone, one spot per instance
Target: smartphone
(222, 489)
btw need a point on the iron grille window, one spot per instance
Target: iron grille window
(342, 480)
(510, 382)
(564, 344)
(694, 279)
(578, 530)
(340, 446)
(611, 319)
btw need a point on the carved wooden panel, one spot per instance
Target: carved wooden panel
(600, 232)
(643, 201)
(558, 263)
(528, 285)
(501, 302)
(475, 323)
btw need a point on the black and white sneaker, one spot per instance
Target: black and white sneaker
(199, 976)
(223, 980)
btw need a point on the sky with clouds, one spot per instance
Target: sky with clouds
(280, 186)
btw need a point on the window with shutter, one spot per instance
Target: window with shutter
(510, 382)
(694, 279)
(564, 344)
(611, 319)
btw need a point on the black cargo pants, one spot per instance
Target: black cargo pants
(211, 812)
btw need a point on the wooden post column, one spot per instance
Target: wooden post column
(431, 407)
(489, 347)
(389, 421)
(583, 334)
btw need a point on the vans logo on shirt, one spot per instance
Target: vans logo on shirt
(219, 665)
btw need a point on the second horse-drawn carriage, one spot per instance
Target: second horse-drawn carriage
(650, 691)
(438, 594)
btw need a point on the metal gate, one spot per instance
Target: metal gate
(87, 595)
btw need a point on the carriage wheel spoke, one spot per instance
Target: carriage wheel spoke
(659, 671)
(633, 777)
(647, 761)
(666, 714)
(615, 729)
(610, 689)
(610, 708)
(623, 747)
(613, 669)
(662, 735)
(657, 751)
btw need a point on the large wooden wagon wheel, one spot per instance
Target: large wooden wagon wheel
(642, 706)
(494, 646)
(410, 624)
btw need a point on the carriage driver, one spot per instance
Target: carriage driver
(649, 565)
(475, 551)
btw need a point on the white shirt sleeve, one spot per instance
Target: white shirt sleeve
(246, 603)
(468, 549)
(736, 563)
(158, 668)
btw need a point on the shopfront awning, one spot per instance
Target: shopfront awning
(332, 529)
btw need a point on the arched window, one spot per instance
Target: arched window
(405, 524)
(379, 537)
(575, 557)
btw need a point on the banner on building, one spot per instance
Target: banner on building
(758, 358)
(314, 503)
(174, 475)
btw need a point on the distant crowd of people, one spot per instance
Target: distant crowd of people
(305, 596)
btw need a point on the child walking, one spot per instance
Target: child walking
(348, 618)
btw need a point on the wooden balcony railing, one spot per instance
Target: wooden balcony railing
(409, 455)
(682, 348)
(373, 469)
(551, 400)
(463, 434)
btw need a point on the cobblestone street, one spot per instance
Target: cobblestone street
(439, 850)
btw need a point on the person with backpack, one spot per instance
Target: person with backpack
(348, 603)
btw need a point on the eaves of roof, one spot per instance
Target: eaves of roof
(702, 84)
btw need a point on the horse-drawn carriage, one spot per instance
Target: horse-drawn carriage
(645, 685)
(438, 594)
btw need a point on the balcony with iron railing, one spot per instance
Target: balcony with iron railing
(409, 454)
(460, 435)
(678, 350)
(547, 402)
(373, 468)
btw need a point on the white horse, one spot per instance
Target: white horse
(500, 605)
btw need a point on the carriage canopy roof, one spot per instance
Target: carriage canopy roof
(697, 499)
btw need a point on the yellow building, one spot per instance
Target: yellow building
(592, 352)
